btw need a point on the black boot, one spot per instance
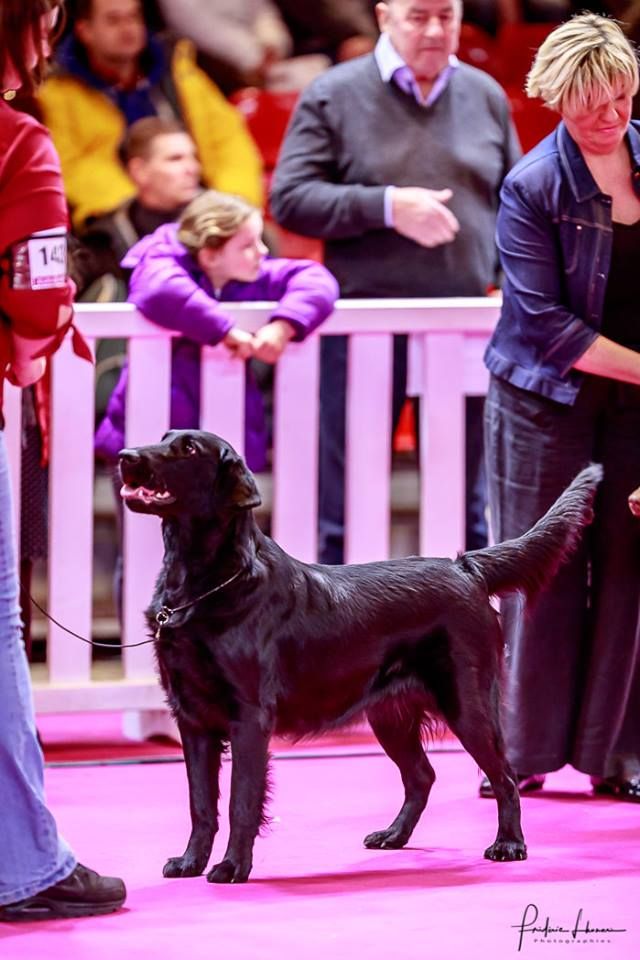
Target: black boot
(84, 893)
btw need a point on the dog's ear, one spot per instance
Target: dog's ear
(243, 492)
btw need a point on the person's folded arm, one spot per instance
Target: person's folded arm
(164, 290)
(305, 290)
(306, 196)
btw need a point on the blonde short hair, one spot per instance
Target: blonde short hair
(211, 219)
(582, 63)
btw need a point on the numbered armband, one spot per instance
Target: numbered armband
(38, 262)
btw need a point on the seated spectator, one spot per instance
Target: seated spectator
(342, 29)
(110, 73)
(161, 160)
(243, 43)
(182, 276)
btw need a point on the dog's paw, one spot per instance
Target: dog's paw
(229, 872)
(385, 840)
(182, 867)
(504, 850)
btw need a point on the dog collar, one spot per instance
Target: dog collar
(164, 614)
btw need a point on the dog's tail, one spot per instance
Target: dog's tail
(529, 562)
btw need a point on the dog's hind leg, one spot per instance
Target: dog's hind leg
(202, 754)
(400, 738)
(249, 762)
(476, 724)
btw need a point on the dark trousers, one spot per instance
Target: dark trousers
(333, 391)
(573, 681)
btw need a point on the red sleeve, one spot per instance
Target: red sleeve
(31, 199)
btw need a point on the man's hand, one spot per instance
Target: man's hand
(634, 502)
(239, 343)
(270, 340)
(422, 215)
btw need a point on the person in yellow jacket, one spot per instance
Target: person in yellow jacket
(109, 73)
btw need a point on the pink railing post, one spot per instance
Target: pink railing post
(442, 446)
(295, 456)
(70, 515)
(368, 447)
(147, 421)
(222, 388)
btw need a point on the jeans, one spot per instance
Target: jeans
(573, 677)
(34, 857)
(333, 391)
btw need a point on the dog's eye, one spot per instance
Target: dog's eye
(190, 448)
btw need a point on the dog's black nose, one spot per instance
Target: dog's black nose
(129, 456)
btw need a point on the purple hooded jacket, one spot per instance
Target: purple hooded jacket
(169, 288)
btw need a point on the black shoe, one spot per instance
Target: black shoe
(525, 784)
(84, 893)
(617, 787)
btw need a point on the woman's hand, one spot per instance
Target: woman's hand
(270, 341)
(239, 343)
(24, 373)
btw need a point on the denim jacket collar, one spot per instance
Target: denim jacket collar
(576, 170)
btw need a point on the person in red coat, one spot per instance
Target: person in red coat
(40, 877)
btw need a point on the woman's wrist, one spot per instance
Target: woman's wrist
(285, 326)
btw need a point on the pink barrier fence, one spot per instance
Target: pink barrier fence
(452, 335)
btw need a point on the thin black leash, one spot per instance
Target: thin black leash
(163, 616)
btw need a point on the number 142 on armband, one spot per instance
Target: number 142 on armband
(47, 261)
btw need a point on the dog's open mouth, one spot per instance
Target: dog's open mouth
(141, 486)
(146, 495)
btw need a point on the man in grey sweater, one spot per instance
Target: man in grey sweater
(396, 160)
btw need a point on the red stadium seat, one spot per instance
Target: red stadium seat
(267, 114)
(479, 49)
(532, 119)
(404, 438)
(296, 246)
(517, 44)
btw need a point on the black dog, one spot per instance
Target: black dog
(251, 642)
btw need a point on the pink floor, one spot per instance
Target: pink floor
(316, 892)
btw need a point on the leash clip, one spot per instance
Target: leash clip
(162, 619)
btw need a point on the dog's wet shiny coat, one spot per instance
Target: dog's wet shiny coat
(296, 649)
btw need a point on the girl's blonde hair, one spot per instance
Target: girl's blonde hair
(211, 219)
(582, 63)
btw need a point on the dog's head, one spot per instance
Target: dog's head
(189, 473)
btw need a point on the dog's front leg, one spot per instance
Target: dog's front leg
(249, 760)
(202, 754)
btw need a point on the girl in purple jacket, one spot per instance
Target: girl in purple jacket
(182, 276)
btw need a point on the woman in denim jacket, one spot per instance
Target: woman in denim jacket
(565, 390)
